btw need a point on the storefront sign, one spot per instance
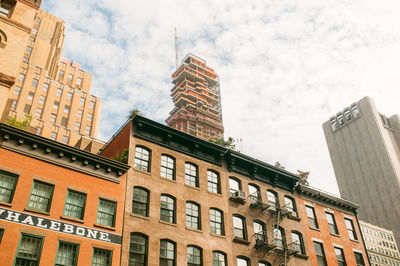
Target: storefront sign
(58, 226)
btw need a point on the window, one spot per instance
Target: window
(340, 120)
(14, 103)
(30, 95)
(40, 198)
(53, 135)
(213, 182)
(106, 212)
(89, 117)
(254, 194)
(193, 215)
(42, 98)
(219, 258)
(262, 263)
(332, 223)
(38, 113)
(67, 254)
(70, 77)
(340, 256)
(53, 118)
(217, 222)
(242, 261)
(87, 129)
(279, 236)
(234, 185)
(78, 81)
(1, 234)
(239, 227)
(28, 51)
(63, 121)
(82, 101)
(259, 232)
(79, 114)
(347, 115)
(34, 32)
(34, 83)
(290, 205)
(167, 209)
(37, 21)
(74, 204)
(8, 182)
(101, 257)
(297, 241)
(91, 106)
(272, 199)
(140, 201)
(312, 220)
(359, 259)
(45, 87)
(319, 251)
(194, 256)
(38, 130)
(66, 109)
(59, 92)
(142, 159)
(350, 229)
(78, 126)
(29, 250)
(21, 77)
(167, 167)
(355, 111)
(191, 178)
(27, 108)
(69, 96)
(138, 250)
(60, 74)
(5, 8)
(56, 104)
(167, 253)
(17, 90)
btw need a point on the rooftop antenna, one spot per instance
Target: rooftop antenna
(176, 50)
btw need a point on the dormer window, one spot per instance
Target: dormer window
(6, 7)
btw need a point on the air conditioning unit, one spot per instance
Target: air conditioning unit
(239, 195)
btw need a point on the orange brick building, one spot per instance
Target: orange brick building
(58, 204)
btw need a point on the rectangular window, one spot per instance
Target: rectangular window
(106, 212)
(74, 204)
(359, 259)
(17, 90)
(77, 126)
(140, 201)
(34, 83)
(340, 256)
(101, 257)
(78, 81)
(70, 77)
(8, 182)
(53, 118)
(38, 130)
(28, 51)
(239, 227)
(87, 129)
(82, 101)
(91, 106)
(167, 209)
(41, 195)
(65, 139)
(89, 117)
(5, 8)
(53, 135)
(21, 77)
(332, 223)
(69, 96)
(79, 114)
(14, 103)
(34, 32)
(67, 254)
(38, 113)
(350, 229)
(312, 220)
(29, 250)
(45, 87)
(42, 98)
(27, 108)
(56, 104)
(63, 121)
(213, 182)
(319, 251)
(66, 109)
(30, 95)
(60, 74)
(59, 92)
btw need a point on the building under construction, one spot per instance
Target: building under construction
(197, 100)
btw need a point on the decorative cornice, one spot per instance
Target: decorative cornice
(15, 24)
(44, 149)
(6, 80)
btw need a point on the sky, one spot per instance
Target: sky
(285, 66)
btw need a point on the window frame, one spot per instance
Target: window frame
(341, 261)
(76, 251)
(239, 184)
(353, 235)
(262, 237)
(166, 209)
(200, 250)
(191, 216)
(314, 223)
(189, 176)
(106, 251)
(165, 174)
(221, 223)
(132, 253)
(215, 185)
(219, 253)
(49, 199)
(291, 209)
(301, 248)
(113, 215)
(15, 177)
(254, 198)
(39, 250)
(243, 230)
(164, 259)
(278, 234)
(71, 191)
(272, 203)
(320, 256)
(138, 161)
(332, 226)
(140, 202)
(243, 258)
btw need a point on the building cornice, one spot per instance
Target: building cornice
(44, 149)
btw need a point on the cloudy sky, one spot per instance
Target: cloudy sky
(285, 66)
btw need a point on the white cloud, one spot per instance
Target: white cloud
(288, 65)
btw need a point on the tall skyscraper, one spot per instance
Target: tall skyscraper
(197, 100)
(364, 149)
(36, 80)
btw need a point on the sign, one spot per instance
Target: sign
(58, 226)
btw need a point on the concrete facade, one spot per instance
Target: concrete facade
(364, 149)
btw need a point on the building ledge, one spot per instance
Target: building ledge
(71, 219)
(37, 211)
(104, 226)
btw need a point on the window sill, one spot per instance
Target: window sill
(166, 179)
(6, 204)
(139, 216)
(37, 211)
(71, 219)
(213, 193)
(301, 256)
(105, 227)
(333, 234)
(313, 228)
(168, 223)
(220, 236)
(296, 218)
(194, 230)
(141, 171)
(355, 240)
(241, 241)
(197, 188)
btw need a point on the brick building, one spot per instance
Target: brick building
(58, 205)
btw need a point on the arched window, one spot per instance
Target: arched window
(217, 222)
(290, 205)
(191, 177)
(3, 37)
(138, 250)
(264, 263)
(273, 202)
(167, 208)
(259, 231)
(142, 159)
(193, 215)
(254, 193)
(219, 258)
(167, 253)
(213, 182)
(298, 243)
(239, 227)
(140, 201)
(194, 256)
(242, 261)
(167, 167)
(279, 237)
(234, 185)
